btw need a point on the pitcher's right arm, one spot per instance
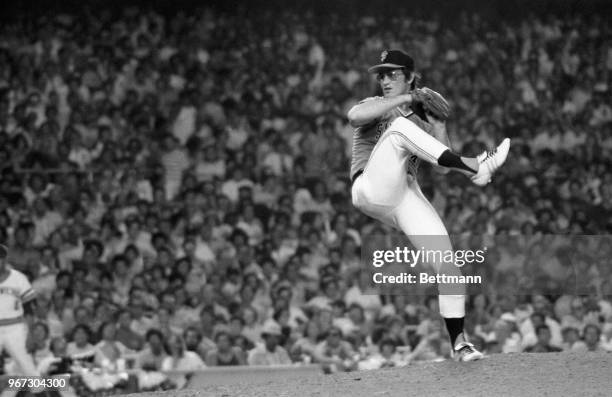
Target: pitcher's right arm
(372, 108)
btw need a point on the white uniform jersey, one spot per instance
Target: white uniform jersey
(14, 291)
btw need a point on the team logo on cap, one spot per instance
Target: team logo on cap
(383, 55)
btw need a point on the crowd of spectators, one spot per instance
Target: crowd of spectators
(176, 187)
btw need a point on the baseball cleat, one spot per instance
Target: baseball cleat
(465, 351)
(489, 162)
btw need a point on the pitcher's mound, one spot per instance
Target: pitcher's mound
(552, 374)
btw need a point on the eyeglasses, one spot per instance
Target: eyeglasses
(393, 75)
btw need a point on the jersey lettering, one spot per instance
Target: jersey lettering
(13, 290)
(365, 138)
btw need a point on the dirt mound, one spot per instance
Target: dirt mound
(552, 374)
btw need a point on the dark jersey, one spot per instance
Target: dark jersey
(366, 136)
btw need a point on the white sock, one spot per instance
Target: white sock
(452, 306)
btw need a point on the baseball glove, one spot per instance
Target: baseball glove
(432, 102)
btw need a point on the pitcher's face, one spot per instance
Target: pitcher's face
(394, 82)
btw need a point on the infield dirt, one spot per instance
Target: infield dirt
(552, 374)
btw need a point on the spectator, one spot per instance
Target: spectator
(58, 349)
(528, 329)
(180, 359)
(304, 347)
(80, 341)
(335, 353)
(354, 322)
(166, 323)
(38, 342)
(224, 354)
(196, 342)
(505, 337)
(387, 358)
(251, 328)
(571, 339)
(577, 316)
(46, 316)
(154, 352)
(125, 334)
(543, 344)
(110, 354)
(175, 162)
(591, 335)
(269, 352)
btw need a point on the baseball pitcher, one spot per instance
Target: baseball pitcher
(392, 134)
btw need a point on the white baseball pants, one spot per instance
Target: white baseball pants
(386, 192)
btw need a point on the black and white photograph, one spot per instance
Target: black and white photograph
(235, 198)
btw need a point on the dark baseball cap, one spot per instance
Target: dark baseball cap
(393, 59)
(3, 251)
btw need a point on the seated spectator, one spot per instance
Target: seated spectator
(528, 329)
(165, 323)
(571, 339)
(251, 328)
(371, 303)
(80, 341)
(579, 316)
(110, 354)
(181, 359)
(224, 354)
(282, 318)
(591, 337)
(45, 272)
(38, 342)
(354, 321)
(388, 357)
(433, 344)
(269, 352)
(543, 344)
(125, 334)
(335, 353)
(391, 328)
(505, 337)
(151, 357)
(44, 314)
(142, 320)
(197, 343)
(52, 363)
(208, 164)
(82, 316)
(304, 348)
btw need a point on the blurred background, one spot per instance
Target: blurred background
(174, 179)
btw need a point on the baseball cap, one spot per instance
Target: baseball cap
(3, 251)
(393, 59)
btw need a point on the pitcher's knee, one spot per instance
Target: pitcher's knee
(362, 198)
